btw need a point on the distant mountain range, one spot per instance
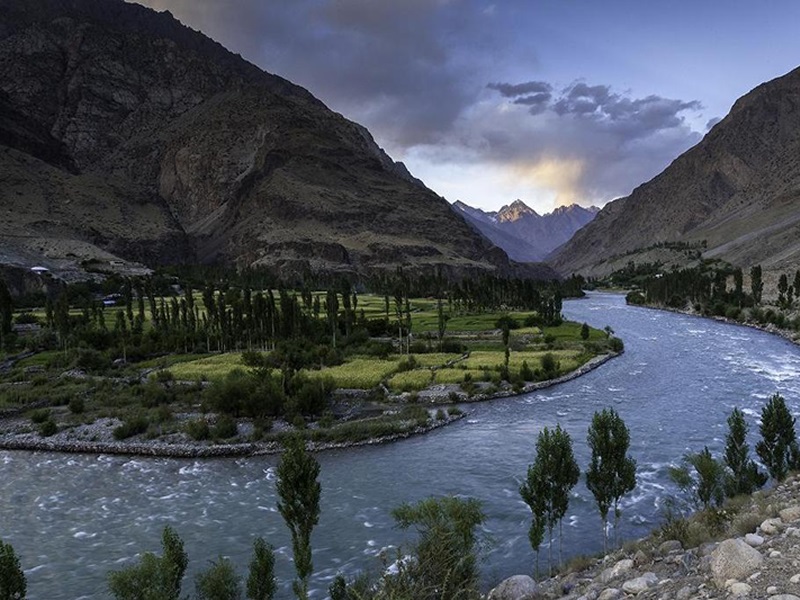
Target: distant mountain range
(734, 196)
(126, 136)
(524, 234)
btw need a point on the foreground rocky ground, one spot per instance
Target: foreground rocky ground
(762, 563)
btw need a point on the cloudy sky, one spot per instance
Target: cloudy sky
(548, 101)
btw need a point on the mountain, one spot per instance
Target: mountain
(524, 234)
(126, 135)
(733, 196)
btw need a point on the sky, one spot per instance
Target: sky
(489, 101)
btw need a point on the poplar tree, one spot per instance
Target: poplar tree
(744, 476)
(6, 313)
(12, 579)
(298, 502)
(756, 284)
(261, 578)
(778, 446)
(612, 473)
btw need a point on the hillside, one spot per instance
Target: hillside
(523, 233)
(738, 186)
(124, 134)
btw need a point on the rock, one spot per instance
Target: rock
(775, 554)
(610, 594)
(739, 589)
(733, 559)
(617, 570)
(640, 558)
(670, 546)
(795, 579)
(792, 532)
(517, 587)
(790, 514)
(753, 539)
(770, 526)
(640, 584)
(784, 597)
(772, 590)
(685, 592)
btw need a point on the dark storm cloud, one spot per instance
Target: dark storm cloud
(511, 90)
(400, 68)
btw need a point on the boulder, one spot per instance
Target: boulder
(617, 570)
(640, 584)
(784, 597)
(754, 540)
(739, 589)
(790, 514)
(670, 546)
(610, 594)
(733, 559)
(517, 587)
(770, 526)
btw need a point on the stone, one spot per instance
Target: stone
(517, 587)
(772, 590)
(640, 558)
(753, 539)
(784, 597)
(795, 579)
(733, 559)
(739, 589)
(640, 584)
(770, 526)
(617, 570)
(669, 547)
(610, 594)
(775, 554)
(790, 514)
(685, 592)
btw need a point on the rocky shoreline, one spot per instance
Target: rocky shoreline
(190, 449)
(761, 562)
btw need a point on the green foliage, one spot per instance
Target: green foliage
(198, 429)
(616, 344)
(153, 577)
(40, 415)
(224, 428)
(299, 495)
(702, 478)
(445, 563)
(744, 475)
(550, 366)
(550, 479)
(12, 580)
(611, 473)
(48, 428)
(261, 578)
(778, 448)
(77, 405)
(131, 426)
(585, 332)
(218, 582)
(525, 372)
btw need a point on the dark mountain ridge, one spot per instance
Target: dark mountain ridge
(735, 195)
(126, 134)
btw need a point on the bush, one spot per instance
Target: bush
(440, 415)
(326, 422)
(48, 428)
(40, 415)
(407, 364)
(89, 359)
(198, 429)
(77, 405)
(131, 426)
(454, 411)
(452, 346)
(218, 582)
(616, 344)
(12, 578)
(550, 366)
(225, 428)
(525, 372)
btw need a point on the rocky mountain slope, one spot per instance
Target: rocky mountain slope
(736, 194)
(761, 562)
(523, 233)
(126, 134)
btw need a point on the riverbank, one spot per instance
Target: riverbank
(95, 438)
(755, 555)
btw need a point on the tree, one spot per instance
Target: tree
(445, 564)
(12, 580)
(744, 477)
(710, 478)
(756, 283)
(778, 447)
(153, 577)
(261, 579)
(796, 284)
(551, 477)
(783, 288)
(612, 473)
(6, 313)
(442, 321)
(299, 495)
(584, 332)
(533, 491)
(218, 582)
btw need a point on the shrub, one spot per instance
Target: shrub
(452, 346)
(132, 426)
(48, 428)
(616, 344)
(440, 415)
(326, 422)
(525, 372)
(506, 321)
(40, 415)
(225, 428)
(198, 429)
(454, 411)
(76, 405)
(454, 397)
(12, 578)
(407, 364)
(218, 582)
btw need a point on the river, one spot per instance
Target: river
(73, 518)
